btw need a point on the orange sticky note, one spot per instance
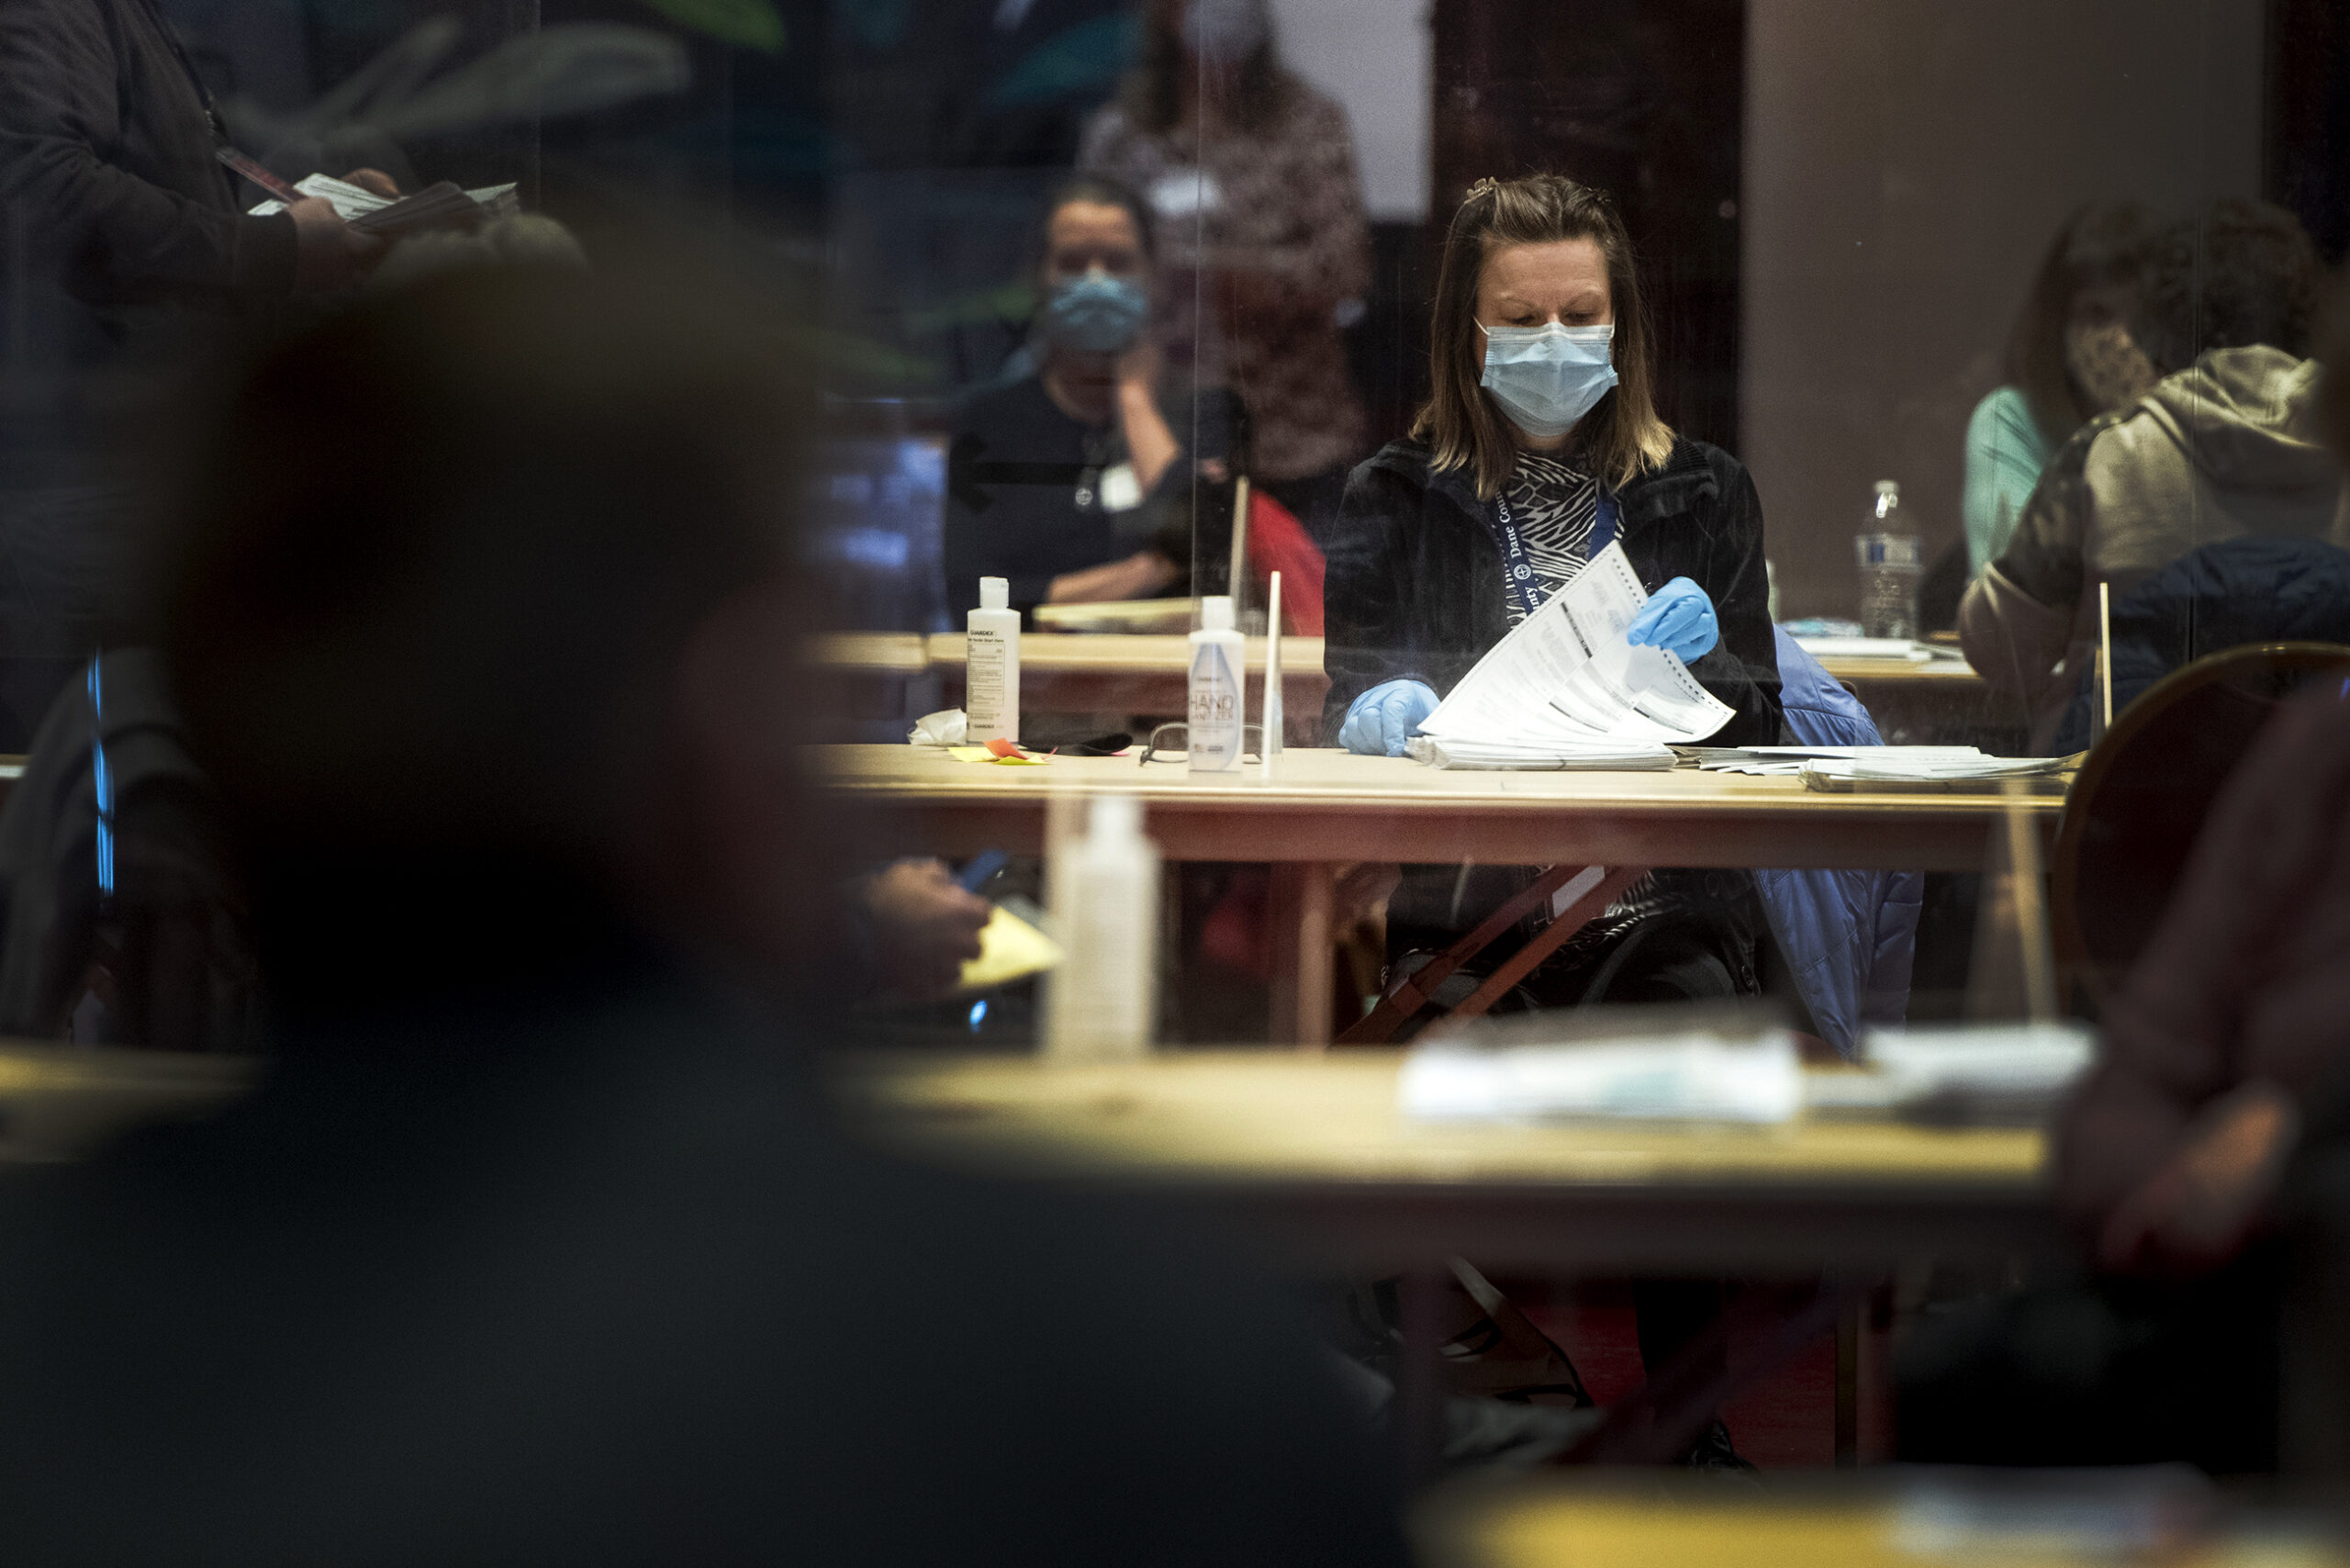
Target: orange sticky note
(1002, 747)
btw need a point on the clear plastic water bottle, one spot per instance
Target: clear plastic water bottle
(1891, 562)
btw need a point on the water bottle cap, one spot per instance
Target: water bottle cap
(995, 593)
(1216, 612)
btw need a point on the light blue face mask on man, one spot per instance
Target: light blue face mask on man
(1547, 377)
(1096, 313)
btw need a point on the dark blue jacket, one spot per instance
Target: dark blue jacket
(1413, 589)
(2220, 597)
(1848, 936)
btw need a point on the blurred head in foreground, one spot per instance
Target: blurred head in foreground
(476, 603)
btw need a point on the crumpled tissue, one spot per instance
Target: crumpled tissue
(950, 727)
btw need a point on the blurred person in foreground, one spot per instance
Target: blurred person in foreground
(536, 1246)
(2225, 447)
(2069, 358)
(122, 917)
(1266, 250)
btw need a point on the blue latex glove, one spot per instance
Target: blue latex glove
(1678, 617)
(1383, 718)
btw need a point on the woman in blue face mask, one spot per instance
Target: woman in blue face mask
(1063, 479)
(1538, 446)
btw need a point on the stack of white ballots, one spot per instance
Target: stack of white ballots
(350, 202)
(1567, 690)
(1892, 765)
(1902, 649)
(1864, 761)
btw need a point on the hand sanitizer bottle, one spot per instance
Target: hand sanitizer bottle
(992, 664)
(1102, 1004)
(1216, 715)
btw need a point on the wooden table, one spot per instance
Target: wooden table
(1325, 809)
(2019, 1520)
(1929, 675)
(1934, 701)
(58, 1102)
(1312, 1155)
(1315, 1146)
(872, 653)
(1149, 675)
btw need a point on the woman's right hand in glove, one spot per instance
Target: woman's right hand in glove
(1383, 718)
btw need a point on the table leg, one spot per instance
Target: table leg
(1850, 1317)
(1298, 915)
(1417, 1416)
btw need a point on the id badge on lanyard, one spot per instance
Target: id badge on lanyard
(1518, 577)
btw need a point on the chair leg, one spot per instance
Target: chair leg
(1548, 940)
(1396, 1008)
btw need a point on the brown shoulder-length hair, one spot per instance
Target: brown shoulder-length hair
(1622, 436)
(2100, 243)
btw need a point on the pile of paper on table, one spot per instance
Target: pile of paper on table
(1768, 760)
(1901, 650)
(1566, 689)
(1969, 1074)
(1883, 763)
(1700, 1063)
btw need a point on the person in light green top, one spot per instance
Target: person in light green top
(2069, 358)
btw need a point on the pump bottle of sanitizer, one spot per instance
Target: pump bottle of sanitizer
(992, 664)
(1102, 1004)
(1216, 713)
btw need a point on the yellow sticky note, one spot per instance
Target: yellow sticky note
(1010, 949)
(981, 754)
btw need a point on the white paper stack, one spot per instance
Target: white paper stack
(1566, 689)
(1897, 649)
(1649, 756)
(1688, 1077)
(1888, 764)
(350, 201)
(1978, 1074)
(1769, 760)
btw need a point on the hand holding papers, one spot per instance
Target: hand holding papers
(442, 205)
(1566, 689)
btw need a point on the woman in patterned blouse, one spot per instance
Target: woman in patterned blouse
(1264, 249)
(1417, 592)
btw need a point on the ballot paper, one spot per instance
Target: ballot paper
(1903, 764)
(1566, 689)
(1898, 649)
(353, 202)
(1653, 756)
(1766, 761)
(1694, 1076)
(1975, 1074)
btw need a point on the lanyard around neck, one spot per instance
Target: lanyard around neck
(1519, 579)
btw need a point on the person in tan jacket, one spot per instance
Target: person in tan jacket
(2225, 447)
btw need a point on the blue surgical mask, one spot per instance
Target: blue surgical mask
(1547, 377)
(1096, 313)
